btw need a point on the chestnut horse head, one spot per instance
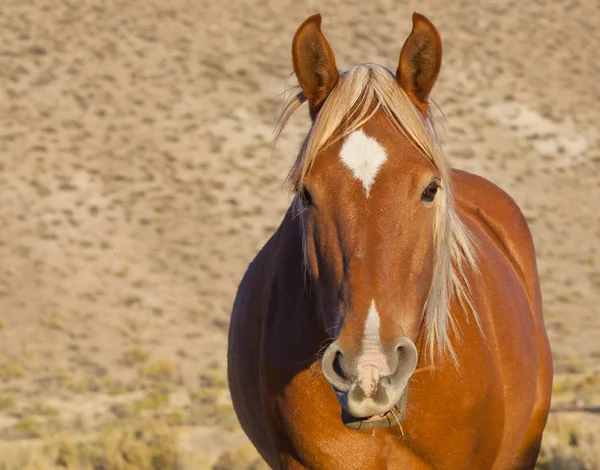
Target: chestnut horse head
(383, 244)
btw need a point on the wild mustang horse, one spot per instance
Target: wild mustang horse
(394, 320)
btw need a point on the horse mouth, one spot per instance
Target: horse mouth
(386, 420)
(389, 419)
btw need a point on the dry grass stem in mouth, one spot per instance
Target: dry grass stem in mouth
(395, 417)
(397, 420)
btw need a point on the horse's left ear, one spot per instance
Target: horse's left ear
(420, 61)
(314, 63)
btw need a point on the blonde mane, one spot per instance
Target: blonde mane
(360, 92)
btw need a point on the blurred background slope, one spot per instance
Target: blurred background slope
(138, 180)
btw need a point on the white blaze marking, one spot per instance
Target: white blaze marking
(363, 155)
(372, 324)
(372, 363)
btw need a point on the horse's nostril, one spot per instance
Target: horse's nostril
(337, 369)
(337, 366)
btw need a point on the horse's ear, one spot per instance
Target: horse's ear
(420, 61)
(314, 63)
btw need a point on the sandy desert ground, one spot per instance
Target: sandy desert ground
(138, 180)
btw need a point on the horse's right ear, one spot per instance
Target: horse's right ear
(314, 63)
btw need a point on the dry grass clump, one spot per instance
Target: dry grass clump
(84, 385)
(568, 445)
(29, 427)
(155, 400)
(160, 371)
(37, 420)
(243, 458)
(211, 405)
(583, 388)
(7, 402)
(136, 355)
(206, 396)
(214, 414)
(113, 387)
(562, 385)
(152, 446)
(41, 409)
(94, 385)
(213, 378)
(11, 370)
(176, 418)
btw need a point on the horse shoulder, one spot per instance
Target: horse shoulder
(505, 225)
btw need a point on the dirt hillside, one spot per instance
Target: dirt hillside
(138, 181)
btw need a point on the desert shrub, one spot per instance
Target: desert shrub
(11, 370)
(243, 458)
(160, 371)
(136, 355)
(152, 446)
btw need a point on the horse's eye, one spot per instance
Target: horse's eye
(430, 192)
(305, 197)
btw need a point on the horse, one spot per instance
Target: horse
(394, 319)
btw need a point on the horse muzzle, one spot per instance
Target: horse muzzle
(372, 386)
